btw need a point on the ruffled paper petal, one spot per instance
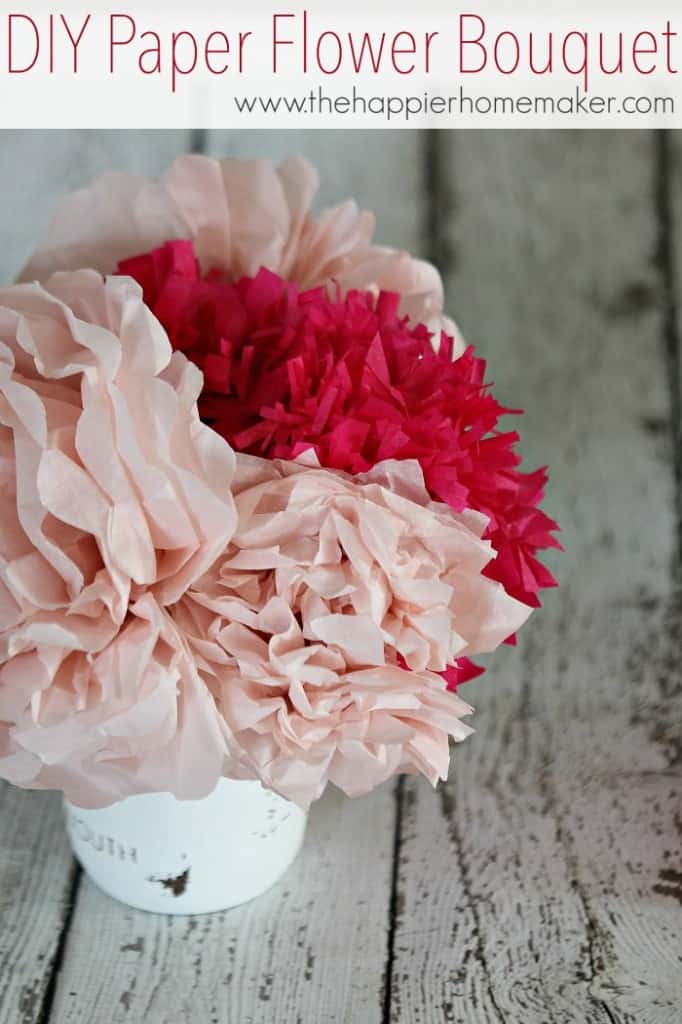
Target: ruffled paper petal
(135, 718)
(114, 498)
(323, 627)
(241, 215)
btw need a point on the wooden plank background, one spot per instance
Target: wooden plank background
(544, 882)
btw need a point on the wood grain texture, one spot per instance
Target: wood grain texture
(36, 167)
(534, 888)
(36, 881)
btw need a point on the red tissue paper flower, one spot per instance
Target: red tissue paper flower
(286, 371)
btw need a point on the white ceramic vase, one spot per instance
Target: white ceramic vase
(168, 856)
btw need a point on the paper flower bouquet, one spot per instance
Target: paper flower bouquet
(258, 513)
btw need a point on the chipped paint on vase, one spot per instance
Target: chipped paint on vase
(167, 856)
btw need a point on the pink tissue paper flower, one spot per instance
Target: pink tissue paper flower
(114, 499)
(330, 588)
(241, 215)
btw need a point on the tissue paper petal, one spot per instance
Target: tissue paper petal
(329, 588)
(242, 215)
(114, 498)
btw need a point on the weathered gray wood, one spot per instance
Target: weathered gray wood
(539, 886)
(36, 876)
(315, 948)
(36, 167)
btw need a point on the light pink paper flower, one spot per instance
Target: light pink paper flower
(242, 215)
(114, 498)
(329, 586)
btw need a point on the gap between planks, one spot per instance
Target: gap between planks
(666, 262)
(438, 247)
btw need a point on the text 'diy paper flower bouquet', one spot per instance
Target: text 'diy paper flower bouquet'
(257, 510)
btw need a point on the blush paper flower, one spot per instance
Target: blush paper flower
(241, 215)
(114, 500)
(329, 590)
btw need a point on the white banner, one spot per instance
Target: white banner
(273, 64)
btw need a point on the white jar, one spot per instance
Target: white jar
(170, 856)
